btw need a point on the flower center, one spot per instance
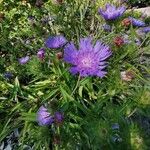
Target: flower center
(86, 62)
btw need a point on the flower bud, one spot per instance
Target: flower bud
(58, 117)
(59, 55)
(126, 22)
(118, 41)
(41, 54)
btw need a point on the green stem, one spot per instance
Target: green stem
(77, 84)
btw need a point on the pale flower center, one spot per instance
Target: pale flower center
(86, 62)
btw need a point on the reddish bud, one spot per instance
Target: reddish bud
(126, 22)
(59, 55)
(118, 41)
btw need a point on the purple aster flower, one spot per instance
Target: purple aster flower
(44, 117)
(59, 117)
(41, 53)
(89, 60)
(146, 29)
(8, 75)
(111, 12)
(56, 41)
(136, 22)
(24, 60)
(107, 27)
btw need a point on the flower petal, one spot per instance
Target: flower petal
(74, 70)
(101, 74)
(86, 44)
(55, 41)
(70, 53)
(102, 50)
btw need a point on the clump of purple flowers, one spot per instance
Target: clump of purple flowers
(44, 117)
(56, 41)
(137, 22)
(111, 12)
(24, 60)
(89, 60)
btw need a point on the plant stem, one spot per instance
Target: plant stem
(77, 84)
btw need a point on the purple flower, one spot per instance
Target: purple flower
(136, 22)
(89, 60)
(8, 75)
(107, 27)
(41, 53)
(146, 29)
(56, 41)
(44, 117)
(59, 117)
(24, 60)
(111, 12)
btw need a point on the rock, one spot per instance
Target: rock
(145, 11)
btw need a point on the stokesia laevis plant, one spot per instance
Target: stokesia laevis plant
(44, 117)
(89, 60)
(111, 12)
(55, 41)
